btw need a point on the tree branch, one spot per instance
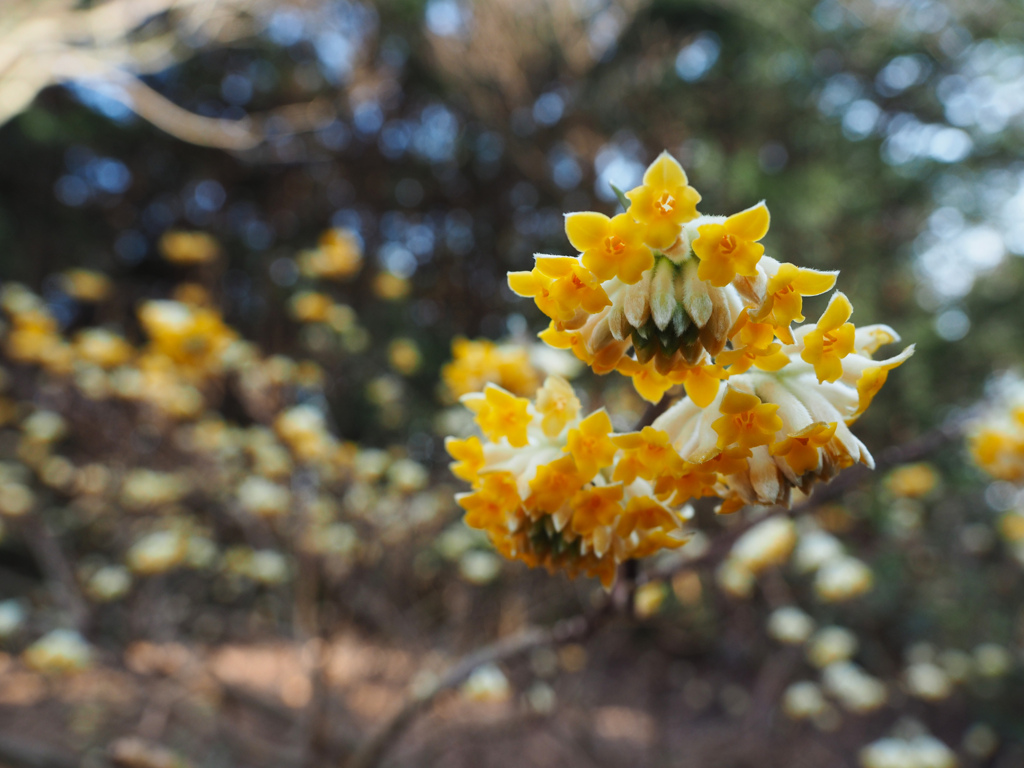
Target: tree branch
(579, 628)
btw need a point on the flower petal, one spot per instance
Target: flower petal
(586, 229)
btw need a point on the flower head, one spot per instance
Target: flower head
(611, 247)
(746, 421)
(500, 414)
(688, 306)
(561, 499)
(664, 202)
(731, 248)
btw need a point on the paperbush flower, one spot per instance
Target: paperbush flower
(553, 488)
(477, 363)
(996, 438)
(674, 299)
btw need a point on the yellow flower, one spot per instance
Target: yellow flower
(645, 513)
(756, 347)
(913, 480)
(783, 303)
(647, 454)
(558, 405)
(339, 256)
(193, 337)
(102, 347)
(731, 248)
(700, 381)
(872, 379)
(404, 356)
(747, 421)
(595, 507)
(87, 285)
(468, 455)
(801, 449)
(478, 363)
(664, 202)
(590, 444)
(1011, 526)
(501, 414)
(310, 307)
(188, 247)
(610, 247)
(831, 339)
(390, 287)
(998, 452)
(561, 286)
(490, 505)
(554, 485)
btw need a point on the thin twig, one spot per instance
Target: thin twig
(578, 628)
(60, 578)
(575, 629)
(891, 457)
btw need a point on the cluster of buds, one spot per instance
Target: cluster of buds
(669, 297)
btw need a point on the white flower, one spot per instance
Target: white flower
(842, 579)
(790, 625)
(803, 700)
(928, 681)
(831, 644)
(487, 684)
(62, 650)
(767, 544)
(814, 549)
(854, 688)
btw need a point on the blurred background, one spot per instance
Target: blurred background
(238, 239)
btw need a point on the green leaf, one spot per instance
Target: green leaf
(623, 200)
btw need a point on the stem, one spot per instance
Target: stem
(579, 628)
(54, 563)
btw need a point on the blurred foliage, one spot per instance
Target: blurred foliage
(448, 137)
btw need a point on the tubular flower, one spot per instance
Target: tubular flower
(500, 414)
(794, 428)
(565, 289)
(787, 285)
(477, 363)
(611, 247)
(661, 293)
(730, 248)
(746, 421)
(688, 306)
(664, 202)
(194, 338)
(830, 340)
(555, 500)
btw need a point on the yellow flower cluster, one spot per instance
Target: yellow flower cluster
(693, 296)
(188, 248)
(669, 296)
(555, 489)
(338, 256)
(996, 438)
(478, 363)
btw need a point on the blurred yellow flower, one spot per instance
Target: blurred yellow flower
(180, 247)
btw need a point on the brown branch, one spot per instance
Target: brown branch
(891, 457)
(579, 628)
(60, 578)
(575, 629)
